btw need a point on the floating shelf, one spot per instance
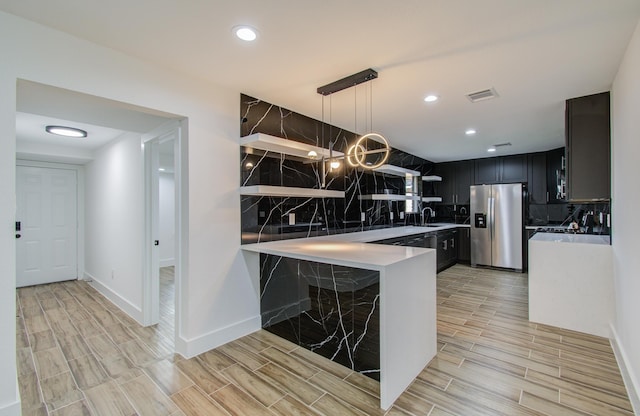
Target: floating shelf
(396, 170)
(286, 191)
(388, 197)
(432, 178)
(270, 143)
(431, 199)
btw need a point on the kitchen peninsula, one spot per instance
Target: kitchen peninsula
(345, 268)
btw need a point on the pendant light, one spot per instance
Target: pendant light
(357, 153)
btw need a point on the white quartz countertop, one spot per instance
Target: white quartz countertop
(572, 238)
(350, 249)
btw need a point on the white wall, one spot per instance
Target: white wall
(625, 205)
(167, 227)
(218, 301)
(114, 222)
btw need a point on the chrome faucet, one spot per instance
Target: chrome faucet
(431, 214)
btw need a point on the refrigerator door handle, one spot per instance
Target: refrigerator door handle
(491, 216)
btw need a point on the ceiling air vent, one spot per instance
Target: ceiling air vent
(502, 144)
(474, 97)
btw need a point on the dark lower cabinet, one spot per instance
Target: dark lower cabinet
(445, 242)
(447, 250)
(464, 245)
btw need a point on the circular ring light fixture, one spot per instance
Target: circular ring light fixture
(360, 152)
(66, 131)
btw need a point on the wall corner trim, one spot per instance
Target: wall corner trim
(126, 306)
(630, 379)
(189, 348)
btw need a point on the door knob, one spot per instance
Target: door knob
(18, 235)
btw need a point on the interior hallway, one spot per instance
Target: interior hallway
(78, 354)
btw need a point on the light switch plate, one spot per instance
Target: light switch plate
(292, 218)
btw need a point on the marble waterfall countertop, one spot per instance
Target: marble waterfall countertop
(350, 249)
(407, 276)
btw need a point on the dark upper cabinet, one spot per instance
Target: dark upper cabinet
(447, 187)
(513, 169)
(464, 179)
(537, 178)
(588, 139)
(556, 176)
(486, 171)
(457, 177)
(504, 169)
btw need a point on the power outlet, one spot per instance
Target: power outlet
(362, 217)
(401, 215)
(292, 218)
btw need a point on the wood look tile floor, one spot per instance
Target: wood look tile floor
(80, 355)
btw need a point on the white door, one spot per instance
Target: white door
(47, 213)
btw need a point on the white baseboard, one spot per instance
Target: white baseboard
(191, 347)
(11, 409)
(128, 308)
(629, 377)
(167, 262)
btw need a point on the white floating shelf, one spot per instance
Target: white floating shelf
(432, 178)
(389, 197)
(286, 191)
(432, 199)
(288, 147)
(396, 170)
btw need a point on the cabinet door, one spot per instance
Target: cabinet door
(447, 188)
(464, 245)
(555, 174)
(513, 169)
(588, 148)
(486, 171)
(537, 178)
(453, 244)
(464, 179)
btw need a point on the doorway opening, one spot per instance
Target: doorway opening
(115, 247)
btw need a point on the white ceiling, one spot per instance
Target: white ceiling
(104, 120)
(535, 54)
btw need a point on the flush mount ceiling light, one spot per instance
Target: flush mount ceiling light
(66, 131)
(431, 98)
(470, 132)
(246, 33)
(491, 149)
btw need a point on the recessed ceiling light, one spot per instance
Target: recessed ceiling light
(66, 131)
(246, 33)
(491, 149)
(470, 132)
(161, 169)
(431, 98)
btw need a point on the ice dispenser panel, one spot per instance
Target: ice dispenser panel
(481, 220)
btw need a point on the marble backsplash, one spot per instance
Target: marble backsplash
(267, 218)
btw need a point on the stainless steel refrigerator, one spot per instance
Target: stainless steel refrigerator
(497, 215)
